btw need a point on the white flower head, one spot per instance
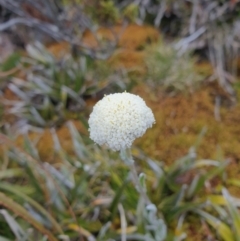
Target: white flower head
(118, 119)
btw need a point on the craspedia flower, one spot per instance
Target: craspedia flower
(118, 119)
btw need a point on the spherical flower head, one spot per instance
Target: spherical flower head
(118, 119)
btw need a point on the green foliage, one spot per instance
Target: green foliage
(53, 87)
(89, 194)
(130, 12)
(108, 11)
(11, 62)
(167, 68)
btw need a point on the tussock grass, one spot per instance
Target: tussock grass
(170, 69)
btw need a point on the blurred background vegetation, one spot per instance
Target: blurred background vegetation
(58, 58)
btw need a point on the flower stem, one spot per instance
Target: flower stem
(138, 184)
(127, 158)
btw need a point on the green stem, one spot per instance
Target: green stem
(127, 158)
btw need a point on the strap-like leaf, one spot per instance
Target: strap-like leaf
(19, 210)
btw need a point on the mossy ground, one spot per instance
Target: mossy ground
(179, 121)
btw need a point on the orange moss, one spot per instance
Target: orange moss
(128, 59)
(58, 50)
(136, 36)
(45, 144)
(196, 230)
(93, 40)
(180, 119)
(204, 68)
(9, 95)
(132, 37)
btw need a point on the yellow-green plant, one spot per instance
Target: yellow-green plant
(171, 70)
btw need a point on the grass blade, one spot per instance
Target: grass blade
(15, 227)
(4, 239)
(235, 215)
(19, 210)
(222, 229)
(10, 188)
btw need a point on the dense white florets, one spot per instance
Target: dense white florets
(118, 119)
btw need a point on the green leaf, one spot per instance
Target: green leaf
(4, 239)
(142, 180)
(11, 173)
(15, 227)
(39, 53)
(33, 179)
(78, 143)
(198, 182)
(235, 215)
(221, 228)
(171, 203)
(234, 182)
(216, 199)
(114, 205)
(11, 62)
(192, 189)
